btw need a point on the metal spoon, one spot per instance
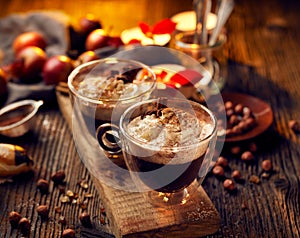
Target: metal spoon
(207, 9)
(198, 8)
(224, 12)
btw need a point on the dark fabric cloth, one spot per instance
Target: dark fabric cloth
(53, 25)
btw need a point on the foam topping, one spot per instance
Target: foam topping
(169, 127)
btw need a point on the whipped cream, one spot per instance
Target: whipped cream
(101, 87)
(162, 131)
(172, 127)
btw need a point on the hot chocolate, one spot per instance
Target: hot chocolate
(108, 87)
(171, 141)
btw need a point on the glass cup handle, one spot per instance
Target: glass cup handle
(108, 138)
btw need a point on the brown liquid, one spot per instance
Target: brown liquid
(12, 120)
(184, 174)
(15, 115)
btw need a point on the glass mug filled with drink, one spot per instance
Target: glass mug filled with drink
(100, 91)
(168, 145)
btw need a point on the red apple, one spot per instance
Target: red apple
(31, 38)
(28, 64)
(96, 39)
(115, 41)
(86, 56)
(89, 23)
(57, 69)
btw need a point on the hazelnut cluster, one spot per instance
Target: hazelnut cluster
(58, 178)
(221, 167)
(240, 119)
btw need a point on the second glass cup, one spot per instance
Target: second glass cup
(100, 92)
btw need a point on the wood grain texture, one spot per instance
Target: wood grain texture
(132, 214)
(263, 43)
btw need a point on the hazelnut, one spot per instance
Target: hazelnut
(24, 226)
(85, 219)
(228, 105)
(266, 165)
(218, 171)
(58, 177)
(294, 125)
(239, 108)
(43, 186)
(247, 156)
(68, 233)
(236, 174)
(228, 184)
(222, 161)
(235, 150)
(254, 179)
(43, 211)
(14, 218)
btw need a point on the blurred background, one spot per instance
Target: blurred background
(115, 15)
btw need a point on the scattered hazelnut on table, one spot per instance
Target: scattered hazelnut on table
(222, 161)
(254, 179)
(266, 165)
(43, 186)
(24, 226)
(68, 233)
(247, 156)
(236, 174)
(43, 211)
(85, 219)
(58, 177)
(14, 218)
(228, 184)
(218, 171)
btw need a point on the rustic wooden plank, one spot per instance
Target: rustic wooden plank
(263, 41)
(261, 64)
(132, 214)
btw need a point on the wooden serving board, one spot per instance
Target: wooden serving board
(132, 215)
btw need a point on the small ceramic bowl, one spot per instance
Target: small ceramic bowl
(18, 118)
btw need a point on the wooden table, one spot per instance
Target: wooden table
(263, 42)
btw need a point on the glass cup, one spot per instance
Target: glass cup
(168, 146)
(213, 57)
(100, 91)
